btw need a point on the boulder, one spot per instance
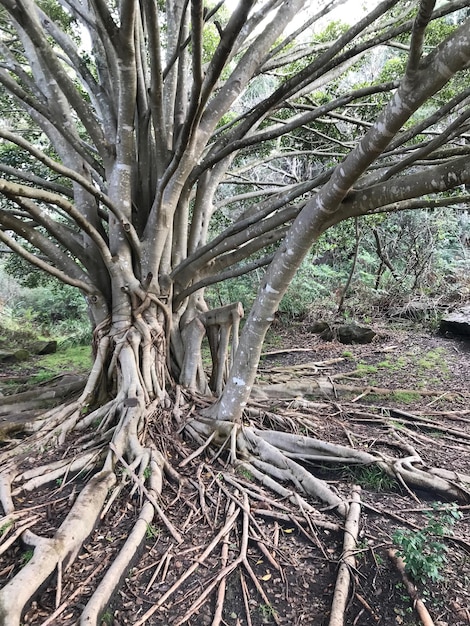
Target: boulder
(44, 347)
(457, 321)
(318, 326)
(349, 333)
(17, 355)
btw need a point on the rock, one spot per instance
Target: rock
(5, 356)
(349, 333)
(44, 347)
(318, 326)
(18, 355)
(457, 322)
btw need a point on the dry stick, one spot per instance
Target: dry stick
(348, 560)
(118, 568)
(194, 608)
(202, 498)
(219, 604)
(220, 578)
(18, 532)
(58, 591)
(166, 557)
(197, 452)
(402, 520)
(175, 534)
(260, 589)
(243, 553)
(418, 604)
(314, 537)
(228, 569)
(245, 599)
(367, 606)
(223, 531)
(60, 609)
(268, 555)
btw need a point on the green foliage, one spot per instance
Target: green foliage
(423, 552)
(405, 397)
(424, 248)
(76, 358)
(51, 304)
(49, 309)
(363, 369)
(243, 471)
(152, 532)
(335, 29)
(5, 527)
(266, 611)
(26, 557)
(371, 477)
(107, 618)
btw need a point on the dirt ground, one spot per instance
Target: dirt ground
(406, 388)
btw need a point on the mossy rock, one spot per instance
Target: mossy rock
(44, 347)
(349, 333)
(319, 326)
(14, 357)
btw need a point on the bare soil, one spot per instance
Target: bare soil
(410, 389)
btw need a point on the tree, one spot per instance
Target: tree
(134, 135)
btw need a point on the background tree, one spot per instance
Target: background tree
(138, 116)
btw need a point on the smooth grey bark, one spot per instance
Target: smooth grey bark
(325, 209)
(152, 151)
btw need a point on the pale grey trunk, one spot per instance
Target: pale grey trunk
(325, 210)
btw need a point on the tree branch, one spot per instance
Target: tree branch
(423, 18)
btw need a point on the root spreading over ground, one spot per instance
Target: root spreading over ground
(230, 511)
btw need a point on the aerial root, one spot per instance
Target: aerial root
(348, 560)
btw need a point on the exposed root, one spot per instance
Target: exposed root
(326, 387)
(348, 561)
(62, 548)
(122, 462)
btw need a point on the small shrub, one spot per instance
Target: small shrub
(424, 555)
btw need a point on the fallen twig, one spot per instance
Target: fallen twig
(222, 532)
(175, 534)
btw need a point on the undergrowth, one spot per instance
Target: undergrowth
(423, 551)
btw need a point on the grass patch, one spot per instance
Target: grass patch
(371, 477)
(73, 358)
(363, 369)
(393, 366)
(407, 397)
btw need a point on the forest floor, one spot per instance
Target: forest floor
(407, 386)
